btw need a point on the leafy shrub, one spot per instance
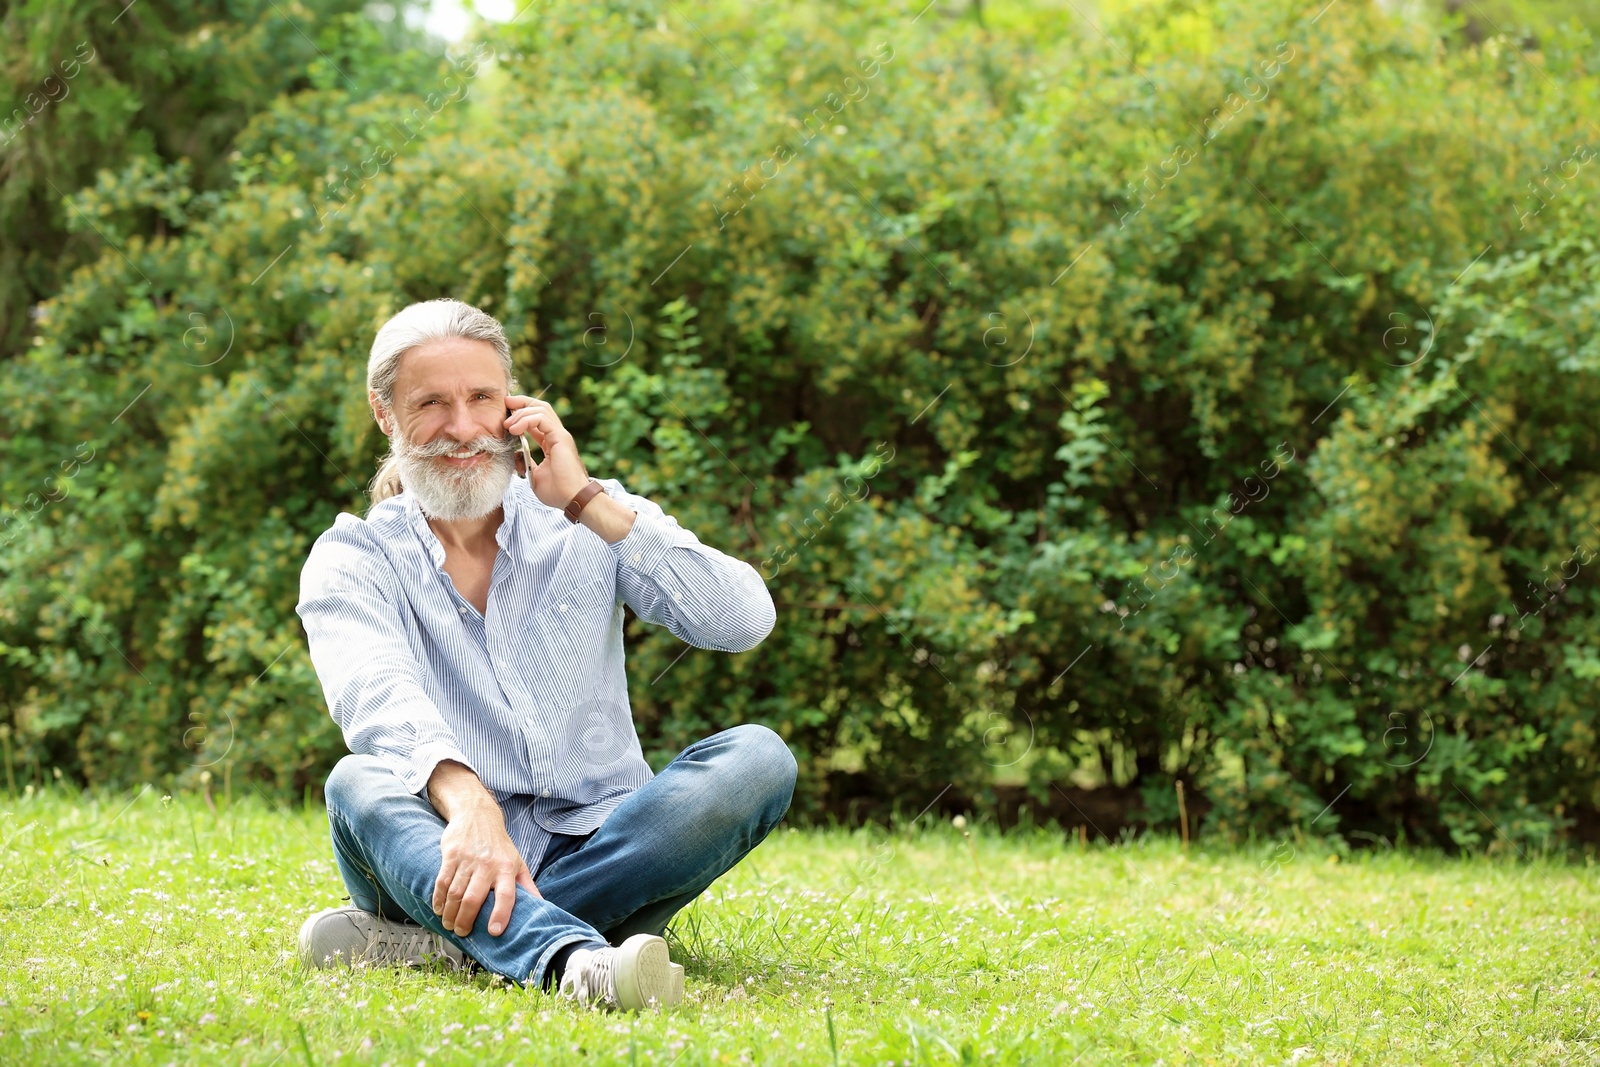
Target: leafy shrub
(1195, 402)
(151, 87)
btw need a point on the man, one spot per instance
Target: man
(468, 637)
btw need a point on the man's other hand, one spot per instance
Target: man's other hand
(477, 853)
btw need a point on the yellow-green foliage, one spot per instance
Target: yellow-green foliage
(1198, 399)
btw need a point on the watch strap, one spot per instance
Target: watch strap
(576, 505)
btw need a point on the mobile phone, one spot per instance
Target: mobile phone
(527, 458)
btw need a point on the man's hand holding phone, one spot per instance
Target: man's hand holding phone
(561, 474)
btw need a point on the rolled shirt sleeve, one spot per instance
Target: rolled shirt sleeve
(350, 604)
(705, 597)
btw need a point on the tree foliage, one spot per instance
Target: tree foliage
(89, 86)
(1203, 400)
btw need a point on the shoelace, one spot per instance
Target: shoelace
(407, 942)
(594, 978)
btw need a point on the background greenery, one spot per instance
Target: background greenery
(1267, 464)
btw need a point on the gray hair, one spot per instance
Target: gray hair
(431, 320)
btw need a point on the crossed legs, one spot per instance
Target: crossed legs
(657, 851)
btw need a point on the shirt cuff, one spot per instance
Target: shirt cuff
(416, 771)
(646, 544)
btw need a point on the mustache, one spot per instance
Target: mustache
(490, 443)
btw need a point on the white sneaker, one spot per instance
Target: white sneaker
(350, 935)
(635, 975)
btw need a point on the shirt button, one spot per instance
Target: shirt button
(546, 792)
(637, 557)
(563, 607)
(463, 611)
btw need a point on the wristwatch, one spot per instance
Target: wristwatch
(576, 505)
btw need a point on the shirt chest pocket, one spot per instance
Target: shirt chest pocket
(575, 620)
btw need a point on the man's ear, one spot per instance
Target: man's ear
(384, 419)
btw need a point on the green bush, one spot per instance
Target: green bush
(1198, 401)
(151, 87)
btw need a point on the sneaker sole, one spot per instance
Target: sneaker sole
(645, 977)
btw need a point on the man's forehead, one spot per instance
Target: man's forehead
(450, 367)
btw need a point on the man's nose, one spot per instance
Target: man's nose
(462, 426)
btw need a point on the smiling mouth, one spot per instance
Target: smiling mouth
(462, 458)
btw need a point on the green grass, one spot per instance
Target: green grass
(163, 932)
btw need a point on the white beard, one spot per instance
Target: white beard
(449, 493)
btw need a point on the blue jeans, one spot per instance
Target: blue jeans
(657, 850)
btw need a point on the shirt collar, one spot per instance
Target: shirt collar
(512, 504)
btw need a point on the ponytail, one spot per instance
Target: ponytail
(386, 483)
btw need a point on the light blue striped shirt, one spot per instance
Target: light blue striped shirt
(531, 695)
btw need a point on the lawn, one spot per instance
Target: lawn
(141, 929)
